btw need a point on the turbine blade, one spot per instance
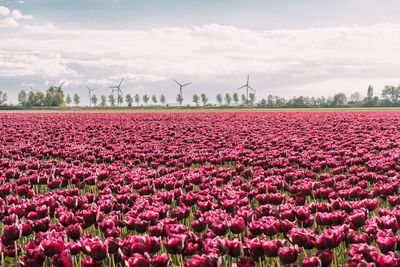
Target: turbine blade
(241, 87)
(251, 88)
(61, 84)
(177, 82)
(121, 82)
(186, 84)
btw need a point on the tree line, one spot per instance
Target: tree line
(54, 96)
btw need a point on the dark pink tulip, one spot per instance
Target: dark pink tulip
(386, 261)
(138, 260)
(160, 260)
(90, 262)
(311, 262)
(288, 255)
(74, 231)
(52, 246)
(73, 247)
(271, 248)
(12, 232)
(235, 247)
(98, 250)
(386, 244)
(62, 260)
(237, 225)
(175, 244)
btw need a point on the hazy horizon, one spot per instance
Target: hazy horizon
(290, 48)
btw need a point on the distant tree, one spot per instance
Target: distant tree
(3, 98)
(68, 100)
(244, 99)
(129, 100)
(370, 93)
(103, 101)
(263, 103)
(35, 99)
(339, 100)
(163, 100)
(370, 100)
(196, 99)
(137, 99)
(77, 99)
(22, 98)
(235, 97)
(270, 101)
(93, 99)
(204, 99)
(120, 99)
(179, 99)
(228, 99)
(145, 99)
(48, 100)
(154, 99)
(252, 99)
(355, 97)
(219, 99)
(111, 100)
(391, 94)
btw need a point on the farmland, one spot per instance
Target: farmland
(200, 189)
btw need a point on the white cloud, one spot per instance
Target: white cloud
(4, 11)
(278, 58)
(16, 14)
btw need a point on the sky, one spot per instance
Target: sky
(289, 47)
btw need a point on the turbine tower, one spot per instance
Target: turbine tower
(90, 93)
(181, 86)
(247, 86)
(117, 89)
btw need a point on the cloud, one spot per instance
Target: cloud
(16, 14)
(213, 55)
(4, 11)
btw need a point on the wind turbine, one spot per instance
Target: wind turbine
(117, 89)
(181, 86)
(90, 93)
(59, 87)
(247, 86)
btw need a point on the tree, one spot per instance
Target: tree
(120, 99)
(179, 99)
(154, 99)
(252, 99)
(370, 93)
(68, 100)
(228, 99)
(111, 100)
(3, 98)
(137, 99)
(391, 94)
(355, 97)
(103, 100)
(339, 100)
(129, 100)
(22, 98)
(93, 100)
(219, 99)
(204, 99)
(48, 100)
(244, 99)
(77, 99)
(163, 100)
(235, 97)
(196, 99)
(145, 99)
(270, 101)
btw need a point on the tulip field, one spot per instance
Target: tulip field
(200, 189)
